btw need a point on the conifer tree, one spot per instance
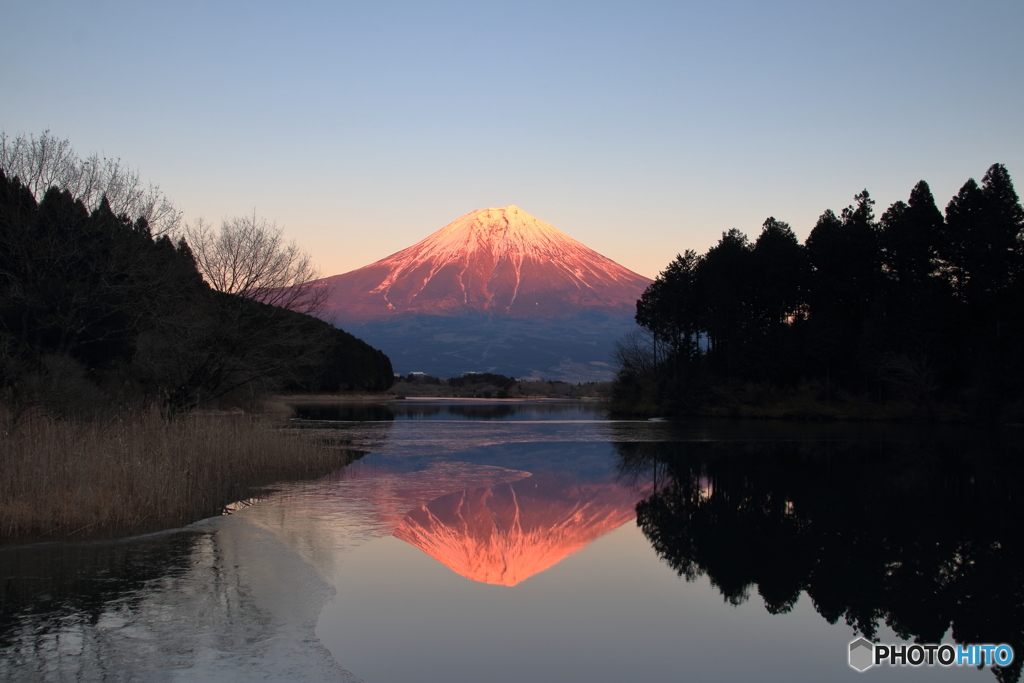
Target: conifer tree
(780, 270)
(671, 307)
(963, 242)
(910, 236)
(725, 283)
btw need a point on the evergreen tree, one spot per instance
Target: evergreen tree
(725, 284)
(1003, 239)
(846, 261)
(911, 235)
(919, 328)
(776, 353)
(982, 254)
(780, 264)
(671, 308)
(909, 307)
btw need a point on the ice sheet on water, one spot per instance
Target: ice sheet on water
(323, 519)
(241, 607)
(439, 437)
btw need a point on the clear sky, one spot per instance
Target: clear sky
(639, 128)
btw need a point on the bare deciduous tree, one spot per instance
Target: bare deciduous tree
(47, 161)
(250, 257)
(635, 352)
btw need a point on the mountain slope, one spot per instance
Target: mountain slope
(575, 349)
(498, 261)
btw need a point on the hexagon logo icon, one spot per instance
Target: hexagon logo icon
(862, 654)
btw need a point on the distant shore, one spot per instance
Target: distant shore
(391, 398)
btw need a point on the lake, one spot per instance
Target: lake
(538, 541)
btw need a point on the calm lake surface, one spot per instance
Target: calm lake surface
(502, 541)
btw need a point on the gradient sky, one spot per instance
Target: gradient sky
(639, 128)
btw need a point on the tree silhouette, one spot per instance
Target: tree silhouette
(726, 286)
(671, 307)
(914, 311)
(911, 234)
(94, 312)
(921, 535)
(780, 271)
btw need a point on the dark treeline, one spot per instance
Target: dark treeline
(501, 381)
(493, 385)
(912, 308)
(96, 312)
(922, 536)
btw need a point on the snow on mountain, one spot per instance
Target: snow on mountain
(505, 534)
(501, 261)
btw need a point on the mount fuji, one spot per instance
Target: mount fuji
(496, 290)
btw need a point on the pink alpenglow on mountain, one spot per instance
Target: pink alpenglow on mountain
(499, 261)
(505, 534)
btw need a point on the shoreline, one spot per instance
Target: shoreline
(136, 474)
(329, 398)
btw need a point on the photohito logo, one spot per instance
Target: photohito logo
(864, 654)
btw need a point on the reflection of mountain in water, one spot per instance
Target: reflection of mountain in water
(925, 537)
(505, 534)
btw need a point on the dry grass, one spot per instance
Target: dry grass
(62, 479)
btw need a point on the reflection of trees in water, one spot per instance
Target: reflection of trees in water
(920, 536)
(356, 426)
(206, 603)
(473, 411)
(344, 412)
(49, 591)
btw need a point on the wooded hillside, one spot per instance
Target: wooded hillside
(96, 312)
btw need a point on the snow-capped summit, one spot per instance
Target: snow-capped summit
(501, 261)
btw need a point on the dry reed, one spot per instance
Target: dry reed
(62, 479)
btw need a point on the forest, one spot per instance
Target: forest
(135, 353)
(915, 314)
(96, 313)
